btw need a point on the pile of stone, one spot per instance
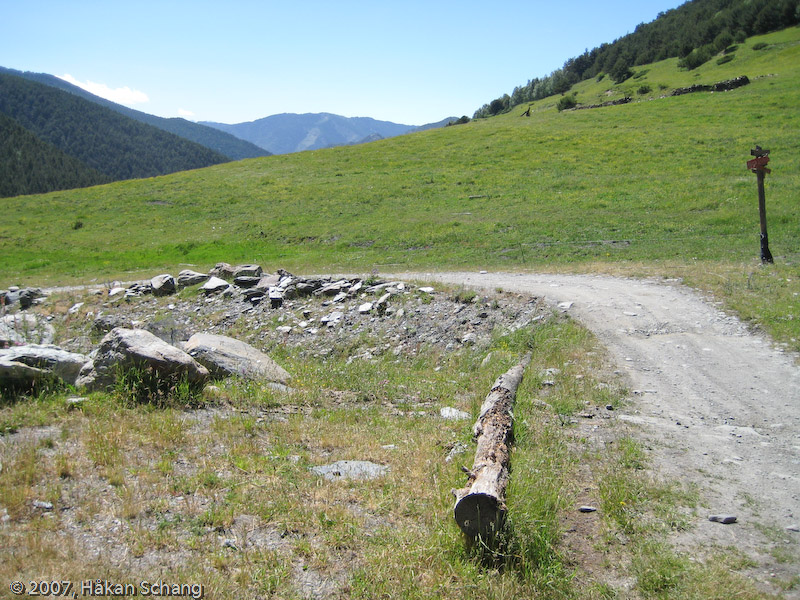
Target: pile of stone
(720, 86)
(28, 366)
(237, 304)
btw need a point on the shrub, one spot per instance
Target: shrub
(644, 89)
(566, 102)
(725, 59)
(759, 46)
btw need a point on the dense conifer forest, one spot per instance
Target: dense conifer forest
(102, 140)
(30, 166)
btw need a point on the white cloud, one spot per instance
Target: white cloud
(123, 95)
(182, 112)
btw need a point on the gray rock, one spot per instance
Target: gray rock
(382, 303)
(724, 519)
(16, 375)
(163, 285)
(49, 359)
(332, 289)
(457, 449)
(350, 469)
(469, 339)
(25, 298)
(125, 349)
(587, 509)
(105, 323)
(223, 270)
(247, 271)
(188, 277)
(215, 285)
(332, 319)
(365, 308)
(224, 357)
(25, 328)
(246, 281)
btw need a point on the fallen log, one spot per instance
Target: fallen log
(480, 506)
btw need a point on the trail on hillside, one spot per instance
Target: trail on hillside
(717, 404)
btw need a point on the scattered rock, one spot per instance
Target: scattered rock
(587, 509)
(42, 505)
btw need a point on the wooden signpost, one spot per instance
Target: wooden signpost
(758, 165)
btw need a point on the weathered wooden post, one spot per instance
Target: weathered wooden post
(758, 165)
(480, 507)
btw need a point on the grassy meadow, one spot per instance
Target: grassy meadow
(657, 187)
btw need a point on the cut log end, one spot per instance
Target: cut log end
(480, 515)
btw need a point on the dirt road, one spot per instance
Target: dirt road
(718, 405)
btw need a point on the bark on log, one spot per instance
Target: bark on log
(480, 506)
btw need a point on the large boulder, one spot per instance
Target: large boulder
(35, 362)
(224, 356)
(126, 349)
(25, 328)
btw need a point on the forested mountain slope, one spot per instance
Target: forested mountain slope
(30, 166)
(213, 139)
(103, 140)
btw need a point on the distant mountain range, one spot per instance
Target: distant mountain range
(290, 132)
(55, 136)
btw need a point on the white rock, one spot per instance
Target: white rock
(453, 414)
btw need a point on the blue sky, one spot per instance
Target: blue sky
(409, 62)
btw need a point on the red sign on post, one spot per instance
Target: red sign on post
(758, 162)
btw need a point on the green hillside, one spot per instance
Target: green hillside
(659, 183)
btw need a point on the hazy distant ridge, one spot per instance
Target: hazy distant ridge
(290, 132)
